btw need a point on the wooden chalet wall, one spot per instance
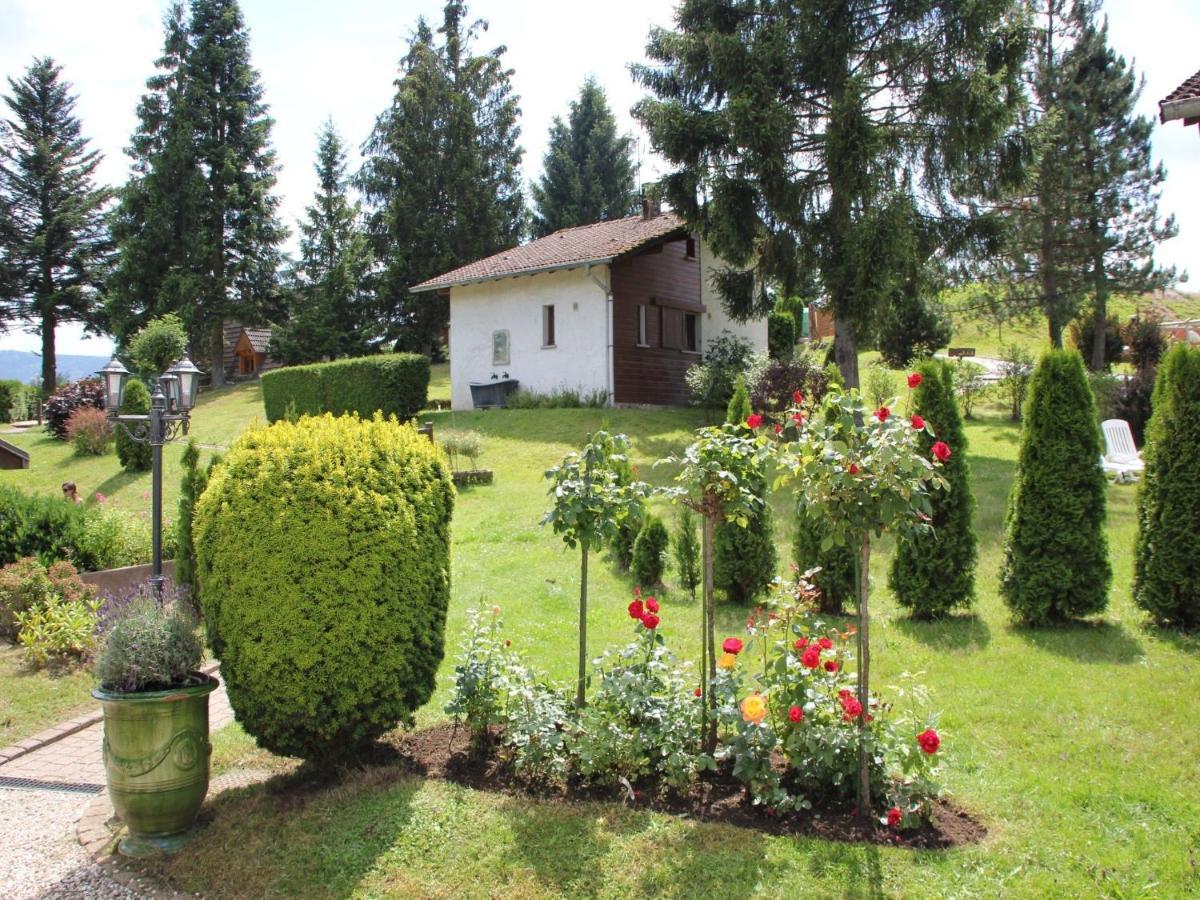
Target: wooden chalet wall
(659, 277)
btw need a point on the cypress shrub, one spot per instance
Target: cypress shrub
(134, 457)
(650, 552)
(1055, 551)
(1167, 567)
(323, 561)
(685, 546)
(744, 558)
(781, 334)
(395, 384)
(934, 573)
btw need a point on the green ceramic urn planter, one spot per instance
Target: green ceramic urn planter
(156, 757)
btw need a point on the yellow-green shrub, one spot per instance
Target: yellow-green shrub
(323, 562)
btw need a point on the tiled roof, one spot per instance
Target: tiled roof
(564, 249)
(1188, 91)
(259, 338)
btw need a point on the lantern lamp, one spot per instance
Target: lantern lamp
(188, 376)
(114, 375)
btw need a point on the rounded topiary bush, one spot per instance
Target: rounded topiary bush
(933, 572)
(1055, 551)
(1167, 573)
(323, 562)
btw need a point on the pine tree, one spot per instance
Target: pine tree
(1167, 568)
(1055, 550)
(589, 173)
(54, 246)
(198, 228)
(442, 175)
(934, 573)
(331, 313)
(794, 129)
(744, 557)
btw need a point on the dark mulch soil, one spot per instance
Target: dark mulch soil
(446, 753)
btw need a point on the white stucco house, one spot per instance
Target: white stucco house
(621, 307)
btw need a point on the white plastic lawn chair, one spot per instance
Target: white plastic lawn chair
(1121, 456)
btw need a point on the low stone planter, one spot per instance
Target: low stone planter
(467, 477)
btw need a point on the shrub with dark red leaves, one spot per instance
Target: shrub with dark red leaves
(773, 387)
(68, 398)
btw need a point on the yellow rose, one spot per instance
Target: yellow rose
(754, 708)
(726, 661)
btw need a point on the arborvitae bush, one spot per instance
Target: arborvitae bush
(191, 486)
(1167, 569)
(134, 456)
(934, 572)
(1055, 551)
(650, 552)
(744, 558)
(685, 545)
(835, 581)
(781, 334)
(323, 560)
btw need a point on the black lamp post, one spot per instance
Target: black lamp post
(170, 407)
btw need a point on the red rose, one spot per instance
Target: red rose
(853, 470)
(652, 604)
(698, 692)
(797, 397)
(635, 609)
(778, 428)
(844, 693)
(732, 645)
(812, 657)
(801, 643)
(851, 709)
(894, 814)
(918, 423)
(941, 450)
(826, 643)
(831, 665)
(914, 379)
(929, 740)
(798, 418)
(650, 620)
(882, 413)
(795, 715)
(753, 420)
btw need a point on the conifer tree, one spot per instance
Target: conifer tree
(198, 228)
(54, 246)
(330, 312)
(589, 173)
(442, 175)
(1167, 568)
(795, 129)
(933, 572)
(744, 557)
(1055, 549)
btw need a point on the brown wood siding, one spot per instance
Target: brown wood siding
(656, 277)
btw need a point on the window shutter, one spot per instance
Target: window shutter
(672, 328)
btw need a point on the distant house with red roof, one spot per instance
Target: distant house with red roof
(621, 308)
(1182, 103)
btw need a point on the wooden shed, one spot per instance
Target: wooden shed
(12, 457)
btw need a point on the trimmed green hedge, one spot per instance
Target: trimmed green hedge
(395, 384)
(323, 562)
(49, 528)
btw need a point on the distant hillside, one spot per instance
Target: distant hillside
(25, 366)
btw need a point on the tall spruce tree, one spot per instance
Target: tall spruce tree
(54, 245)
(589, 174)
(198, 228)
(833, 136)
(442, 174)
(330, 311)
(933, 572)
(1119, 185)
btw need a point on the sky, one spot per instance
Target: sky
(320, 59)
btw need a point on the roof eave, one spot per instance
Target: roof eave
(461, 282)
(1187, 108)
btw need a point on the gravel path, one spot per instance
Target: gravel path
(39, 854)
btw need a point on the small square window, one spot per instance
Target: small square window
(547, 326)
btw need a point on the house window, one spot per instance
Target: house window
(547, 326)
(641, 332)
(691, 248)
(500, 348)
(691, 332)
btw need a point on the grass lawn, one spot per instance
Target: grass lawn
(1077, 747)
(31, 700)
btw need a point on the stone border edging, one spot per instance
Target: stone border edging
(56, 733)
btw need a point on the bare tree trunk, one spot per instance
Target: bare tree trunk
(581, 682)
(1099, 312)
(218, 355)
(49, 359)
(861, 568)
(708, 663)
